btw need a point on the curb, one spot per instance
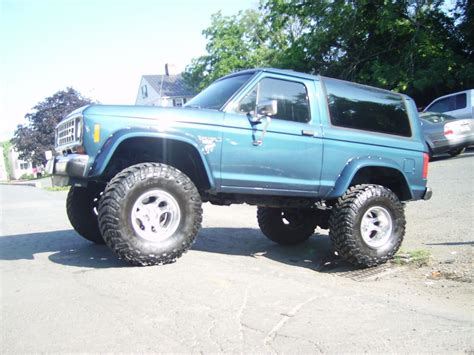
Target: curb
(34, 184)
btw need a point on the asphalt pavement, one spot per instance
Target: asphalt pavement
(235, 291)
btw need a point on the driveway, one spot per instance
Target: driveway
(235, 291)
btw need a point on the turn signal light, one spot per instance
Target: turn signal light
(96, 133)
(447, 132)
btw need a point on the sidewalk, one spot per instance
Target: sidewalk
(40, 183)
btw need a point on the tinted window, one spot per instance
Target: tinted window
(440, 106)
(460, 101)
(219, 92)
(292, 99)
(451, 103)
(366, 108)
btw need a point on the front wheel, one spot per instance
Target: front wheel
(286, 226)
(150, 214)
(367, 225)
(81, 209)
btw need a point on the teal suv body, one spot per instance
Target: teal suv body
(309, 151)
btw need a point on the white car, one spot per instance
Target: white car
(458, 104)
(446, 134)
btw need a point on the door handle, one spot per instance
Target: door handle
(308, 133)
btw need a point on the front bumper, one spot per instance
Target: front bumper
(70, 168)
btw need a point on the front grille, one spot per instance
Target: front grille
(66, 133)
(69, 133)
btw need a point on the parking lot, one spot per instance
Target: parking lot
(235, 291)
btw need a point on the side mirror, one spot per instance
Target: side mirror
(267, 108)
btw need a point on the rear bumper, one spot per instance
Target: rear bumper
(427, 194)
(422, 193)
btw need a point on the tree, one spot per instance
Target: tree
(32, 140)
(410, 46)
(234, 43)
(419, 47)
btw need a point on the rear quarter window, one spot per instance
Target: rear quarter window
(366, 108)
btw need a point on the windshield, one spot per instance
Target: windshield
(219, 92)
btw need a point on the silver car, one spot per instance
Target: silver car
(446, 134)
(459, 104)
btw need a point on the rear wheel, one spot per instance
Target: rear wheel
(81, 209)
(456, 152)
(150, 214)
(287, 226)
(367, 225)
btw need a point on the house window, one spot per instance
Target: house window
(23, 166)
(178, 102)
(144, 92)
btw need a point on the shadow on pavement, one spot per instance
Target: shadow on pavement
(469, 152)
(452, 243)
(68, 248)
(316, 253)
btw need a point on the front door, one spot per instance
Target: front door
(277, 150)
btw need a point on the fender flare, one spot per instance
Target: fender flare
(108, 149)
(354, 165)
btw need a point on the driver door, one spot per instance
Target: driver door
(271, 152)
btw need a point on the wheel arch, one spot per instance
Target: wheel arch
(369, 171)
(129, 147)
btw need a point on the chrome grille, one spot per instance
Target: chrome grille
(68, 133)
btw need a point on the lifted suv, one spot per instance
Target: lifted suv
(307, 150)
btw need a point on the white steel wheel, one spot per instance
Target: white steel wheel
(376, 227)
(155, 215)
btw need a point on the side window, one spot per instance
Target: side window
(366, 108)
(460, 101)
(451, 103)
(440, 106)
(292, 99)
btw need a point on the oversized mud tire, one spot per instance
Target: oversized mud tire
(367, 225)
(456, 152)
(81, 209)
(286, 226)
(150, 214)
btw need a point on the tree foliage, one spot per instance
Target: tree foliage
(32, 140)
(420, 47)
(234, 42)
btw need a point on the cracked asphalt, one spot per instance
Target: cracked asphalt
(235, 291)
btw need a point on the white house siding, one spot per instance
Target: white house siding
(19, 167)
(153, 98)
(3, 170)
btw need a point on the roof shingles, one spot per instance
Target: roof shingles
(169, 85)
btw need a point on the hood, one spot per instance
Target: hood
(183, 114)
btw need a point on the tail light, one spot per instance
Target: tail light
(426, 160)
(448, 131)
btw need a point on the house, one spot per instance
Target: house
(19, 167)
(3, 170)
(164, 90)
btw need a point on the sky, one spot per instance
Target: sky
(99, 47)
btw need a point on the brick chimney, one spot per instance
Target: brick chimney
(170, 69)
